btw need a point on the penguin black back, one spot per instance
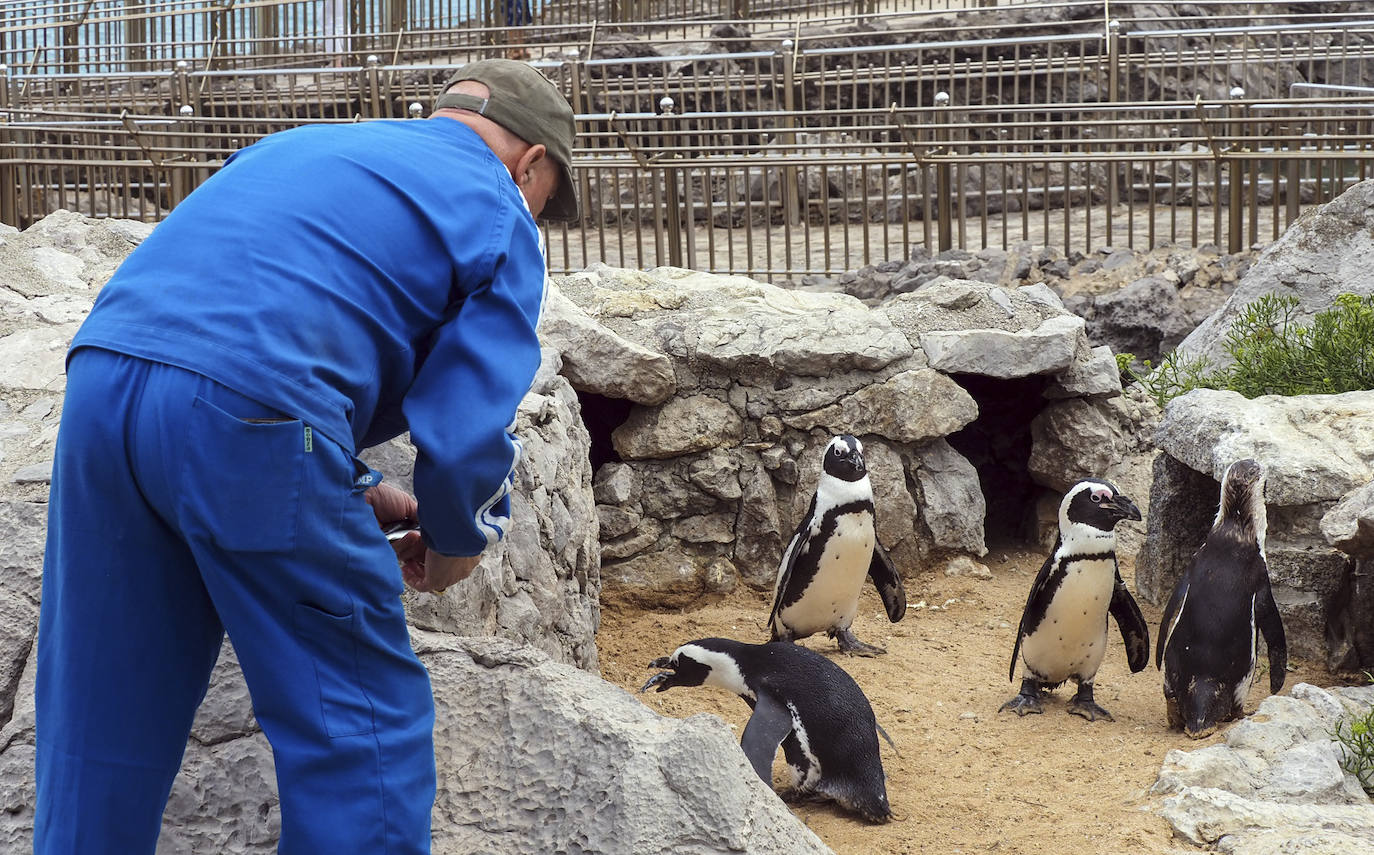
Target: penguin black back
(801, 701)
(1218, 609)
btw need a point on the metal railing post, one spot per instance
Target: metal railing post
(791, 203)
(1113, 96)
(265, 28)
(180, 179)
(1236, 178)
(372, 76)
(395, 13)
(181, 85)
(136, 34)
(9, 179)
(944, 185)
(672, 200)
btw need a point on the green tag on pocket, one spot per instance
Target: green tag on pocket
(309, 440)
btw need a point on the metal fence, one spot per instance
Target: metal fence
(116, 36)
(784, 194)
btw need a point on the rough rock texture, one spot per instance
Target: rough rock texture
(537, 757)
(540, 587)
(1349, 527)
(701, 490)
(1275, 785)
(1328, 251)
(1316, 449)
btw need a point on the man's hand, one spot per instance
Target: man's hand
(426, 570)
(422, 568)
(391, 505)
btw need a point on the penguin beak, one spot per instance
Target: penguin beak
(660, 680)
(1126, 508)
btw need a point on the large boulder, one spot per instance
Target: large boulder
(1327, 251)
(1316, 450)
(1275, 784)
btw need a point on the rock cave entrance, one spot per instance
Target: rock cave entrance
(602, 415)
(998, 444)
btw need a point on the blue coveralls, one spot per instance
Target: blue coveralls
(330, 287)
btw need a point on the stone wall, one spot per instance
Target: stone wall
(733, 387)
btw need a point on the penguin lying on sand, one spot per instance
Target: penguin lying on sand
(800, 700)
(1063, 631)
(833, 550)
(1219, 607)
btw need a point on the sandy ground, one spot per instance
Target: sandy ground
(967, 779)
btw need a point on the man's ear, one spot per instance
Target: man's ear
(524, 167)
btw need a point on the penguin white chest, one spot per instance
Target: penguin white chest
(831, 599)
(1072, 637)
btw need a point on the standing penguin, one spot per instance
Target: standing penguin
(834, 548)
(1063, 631)
(1219, 607)
(800, 700)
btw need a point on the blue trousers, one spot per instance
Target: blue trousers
(179, 510)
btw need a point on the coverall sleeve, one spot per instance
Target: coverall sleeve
(461, 406)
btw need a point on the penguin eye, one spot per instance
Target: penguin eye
(1099, 495)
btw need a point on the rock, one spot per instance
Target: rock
(729, 323)
(595, 359)
(1090, 377)
(962, 565)
(667, 579)
(530, 751)
(1313, 447)
(1183, 504)
(913, 406)
(616, 484)
(758, 532)
(21, 567)
(35, 358)
(1204, 817)
(681, 426)
(1349, 526)
(1327, 251)
(1145, 319)
(951, 500)
(1047, 349)
(1072, 440)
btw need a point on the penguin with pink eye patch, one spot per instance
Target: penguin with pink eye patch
(1063, 631)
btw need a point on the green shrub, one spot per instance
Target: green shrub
(1356, 736)
(1273, 354)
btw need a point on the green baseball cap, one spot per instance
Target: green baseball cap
(527, 104)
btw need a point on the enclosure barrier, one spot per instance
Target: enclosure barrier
(785, 194)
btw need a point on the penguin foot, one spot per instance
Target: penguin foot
(1089, 710)
(853, 646)
(1024, 704)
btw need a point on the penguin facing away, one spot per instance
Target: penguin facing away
(1063, 631)
(801, 701)
(833, 550)
(1220, 606)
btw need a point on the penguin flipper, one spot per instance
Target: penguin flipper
(767, 728)
(888, 582)
(1172, 613)
(1271, 626)
(789, 560)
(1037, 587)
(1131, 622)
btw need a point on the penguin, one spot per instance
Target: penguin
(1220, 606)
(832, 551)
(800, 700)
(1063, 631)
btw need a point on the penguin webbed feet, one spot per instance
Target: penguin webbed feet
(1084, 705)
(854, 647)
(1027, 701)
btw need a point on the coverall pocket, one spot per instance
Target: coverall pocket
(330, 641)
(244, 477)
